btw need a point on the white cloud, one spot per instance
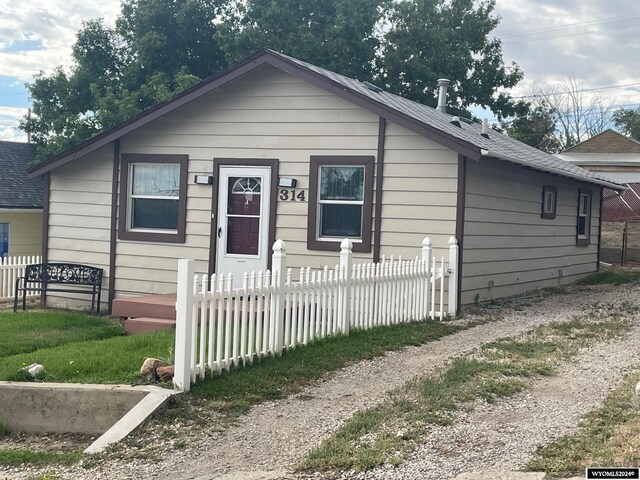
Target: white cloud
(54, 23)
(9, 120)
(596, 42)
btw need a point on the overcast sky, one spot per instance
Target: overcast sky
(595, 41)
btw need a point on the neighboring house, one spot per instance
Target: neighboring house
(618, 157)
(274, 147)
(20, 201)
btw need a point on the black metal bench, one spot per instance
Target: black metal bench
(40, 278)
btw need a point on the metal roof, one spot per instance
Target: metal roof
(17, 190)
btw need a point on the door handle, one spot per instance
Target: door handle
(219, 231)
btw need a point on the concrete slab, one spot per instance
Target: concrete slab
(155, 398)
(502, 475)
(111, 411)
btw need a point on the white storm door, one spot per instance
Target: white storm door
(243, 220)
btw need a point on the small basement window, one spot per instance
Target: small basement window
(153, 198)
(549, 201)
(584, 217)
(340, 202)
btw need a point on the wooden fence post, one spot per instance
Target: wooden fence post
(452, 304)
(279, 268)
(426, 257)
(184, 326)
(346, 262)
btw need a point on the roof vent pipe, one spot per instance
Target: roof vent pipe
(485, 128)
(443, 83)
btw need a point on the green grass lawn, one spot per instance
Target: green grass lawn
(76, 348)
(614, 276)
(25, 332)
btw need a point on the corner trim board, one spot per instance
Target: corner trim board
(114, 223)
(377, 233)
(45, 229)
(460, 216)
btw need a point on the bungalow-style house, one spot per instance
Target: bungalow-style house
(274, 147)
(20, 201)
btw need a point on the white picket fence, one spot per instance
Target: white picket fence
(12, 268)
(218, 326)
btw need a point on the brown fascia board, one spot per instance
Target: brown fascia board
(237, 70)
(148, 116)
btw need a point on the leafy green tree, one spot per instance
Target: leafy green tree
(158, 48)
(431, 39)
(537, 128)
(628, 121)
(340, 35)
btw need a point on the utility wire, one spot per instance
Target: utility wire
(551, 37)
(580, 90)
(568, 26)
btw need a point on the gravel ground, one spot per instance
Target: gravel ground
(266, 442)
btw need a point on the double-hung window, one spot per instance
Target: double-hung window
(4, 240)
(340, 202)
(153, 198)
(584, 217)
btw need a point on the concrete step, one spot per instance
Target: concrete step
(155, 306)
(137, 325)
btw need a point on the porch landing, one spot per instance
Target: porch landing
(147, 313)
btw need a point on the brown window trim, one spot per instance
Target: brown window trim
(123, 231)
(545, 189)
(583, 242)
(314, 167)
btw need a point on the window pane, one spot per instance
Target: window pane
(154, 214)
(548, 202)
(341, 221)
(157, 179)
(584, 204)
(342, 183)
(244, 196)
(582, 226)
(245, 184)
(243, 234)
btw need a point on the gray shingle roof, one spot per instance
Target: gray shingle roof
(425, 120)
(16, 189)
(601, 158)
(497, 145)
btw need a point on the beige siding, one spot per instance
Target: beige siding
(506, 240)
(25, 232)
(79, 220)
(419, 193)
(268, 114)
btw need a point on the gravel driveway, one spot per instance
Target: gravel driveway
(273, 436)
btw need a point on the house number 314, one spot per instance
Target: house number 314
(292, 195)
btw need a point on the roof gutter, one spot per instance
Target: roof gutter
(557, 171)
